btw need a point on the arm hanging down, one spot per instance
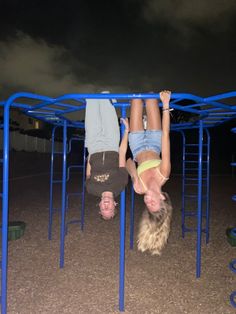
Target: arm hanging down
(88, 168)
(131, 168)
(165, 166)
(123, 144)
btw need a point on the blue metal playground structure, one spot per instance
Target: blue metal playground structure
(232, 264)
(202, 114)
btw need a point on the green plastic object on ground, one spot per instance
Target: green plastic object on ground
(231, 236)
(16, 230)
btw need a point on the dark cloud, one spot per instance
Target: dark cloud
(182, 14)
(79, 46)
(35, 66)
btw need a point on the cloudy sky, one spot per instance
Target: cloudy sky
(56, 47)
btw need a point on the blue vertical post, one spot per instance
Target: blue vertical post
(51, 186)
(183, 185)
(83, 188)
(233, 231)
(131, 236)
(63, 202)
(208, 188)
(199, 209)
(122, 236)
(5, 208)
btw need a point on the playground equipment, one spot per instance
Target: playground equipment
(70, 169)
(232, 240)
(208, 113)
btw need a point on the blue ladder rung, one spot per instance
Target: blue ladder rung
(75, 193)
(190, 180)
(204, 185)
(189, 183)
(194, 196)
(56, 181)
(193, 168)
(71, 222)
(194, 184)
(191, 145)
(187, 166)
(58, 153)
(193, 173)
(185, 229)
(193, 179)
(195, 145)
(192, 213)
(194, 154)
(75, 166)
(193, 161)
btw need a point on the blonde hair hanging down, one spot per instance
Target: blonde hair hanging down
(154, 228)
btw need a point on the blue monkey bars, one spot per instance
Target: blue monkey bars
(204, 113)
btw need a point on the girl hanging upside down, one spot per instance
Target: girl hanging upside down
(153, 170)
(106, 175)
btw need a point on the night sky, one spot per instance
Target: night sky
(56, 47)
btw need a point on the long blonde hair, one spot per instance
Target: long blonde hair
(154, 228)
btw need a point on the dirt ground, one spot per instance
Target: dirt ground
(89, 281)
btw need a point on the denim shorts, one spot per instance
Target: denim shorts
(140, 141)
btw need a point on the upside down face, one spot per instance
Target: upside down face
(153, 200)
(107, 205)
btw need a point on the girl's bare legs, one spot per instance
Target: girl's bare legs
(136, 115)
(153, 114)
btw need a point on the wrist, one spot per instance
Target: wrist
(167, 109)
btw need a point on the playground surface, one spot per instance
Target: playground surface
(89, 281)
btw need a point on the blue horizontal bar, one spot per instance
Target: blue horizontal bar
(204, 107)
(70, 222)
(193, 230)
(193, 161)
(192, 214)
(195, 145)
(194, 196)
(75, 194)
(56, 181)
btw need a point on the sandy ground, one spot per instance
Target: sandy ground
(89, 282)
